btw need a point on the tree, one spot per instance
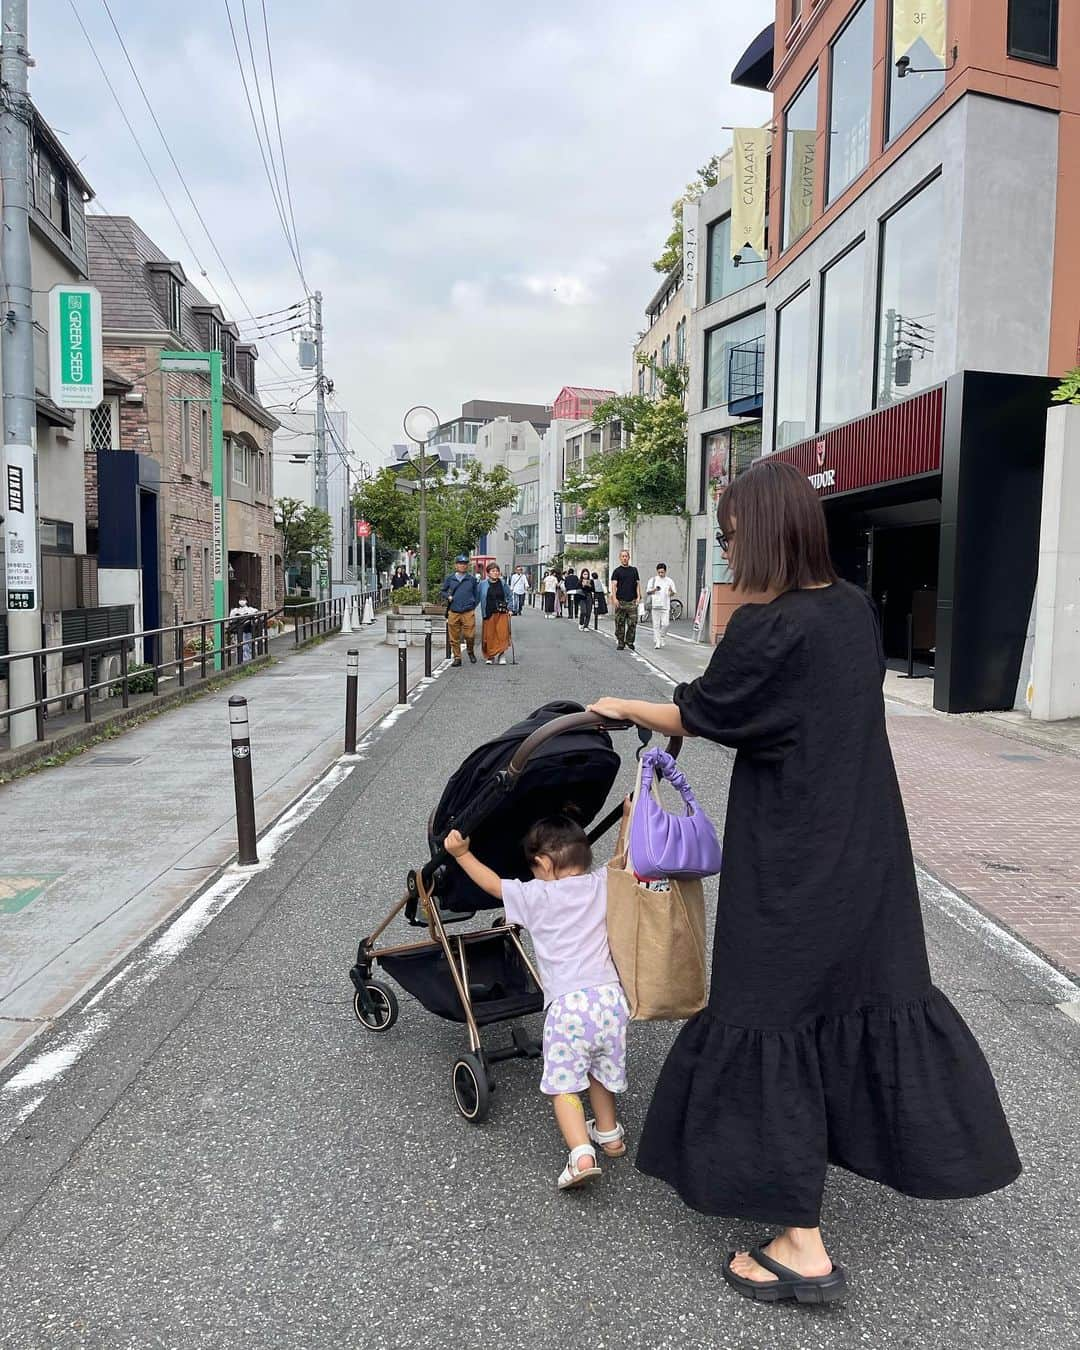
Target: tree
(647, 476)
(1068, 391)
(708, 176)
(461, 507)
(304, 529)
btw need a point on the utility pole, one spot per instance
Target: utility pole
(321, 500)
(20, 409)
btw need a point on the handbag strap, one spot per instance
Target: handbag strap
(656, 764)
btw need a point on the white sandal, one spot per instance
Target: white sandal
(611, 1141)
(572, 1174)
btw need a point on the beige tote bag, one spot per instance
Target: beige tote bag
(657, 941)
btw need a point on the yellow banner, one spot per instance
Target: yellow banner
(802, 148)
(915, 19)
(748, 191)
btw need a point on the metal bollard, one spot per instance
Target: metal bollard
(402, 667)
(243, 788)
(447, 631)
(427, 649)
(910, 675)
(352, 673)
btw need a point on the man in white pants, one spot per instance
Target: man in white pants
(661, 592)
(519, 589)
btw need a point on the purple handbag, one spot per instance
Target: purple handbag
(665, 844)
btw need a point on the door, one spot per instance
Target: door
(149, 566)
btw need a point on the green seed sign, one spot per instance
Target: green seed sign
(75, 346)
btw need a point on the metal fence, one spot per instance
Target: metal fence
(217, 644)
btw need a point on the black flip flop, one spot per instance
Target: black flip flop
(788, 1283)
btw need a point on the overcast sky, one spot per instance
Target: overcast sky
(479, 187)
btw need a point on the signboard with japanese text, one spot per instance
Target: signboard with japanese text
(75, 370)
(20, 528)
(363, 529)
(558, 513)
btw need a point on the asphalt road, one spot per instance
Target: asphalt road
(232, 1160)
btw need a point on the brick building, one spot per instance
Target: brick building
(149, 494)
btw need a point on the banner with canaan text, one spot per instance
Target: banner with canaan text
(915, 19)
(748, 190)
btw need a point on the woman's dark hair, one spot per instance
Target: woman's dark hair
(777, 523)
(562, 840)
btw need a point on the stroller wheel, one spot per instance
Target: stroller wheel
(382, 1012)
(472, 1089)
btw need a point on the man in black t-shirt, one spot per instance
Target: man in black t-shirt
(626, 592)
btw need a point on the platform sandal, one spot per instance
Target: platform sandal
(788, 1283)
(611, 1141)
(572, 1174)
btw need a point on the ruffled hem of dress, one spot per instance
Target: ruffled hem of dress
(744, 1120)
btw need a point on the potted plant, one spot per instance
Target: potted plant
(435, 605)
(407, 600)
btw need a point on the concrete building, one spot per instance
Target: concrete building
(148, 465)
(568, 444)
(478, 412)
(920, 290)
(663, 339)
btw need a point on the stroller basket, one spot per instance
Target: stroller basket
(500, 984)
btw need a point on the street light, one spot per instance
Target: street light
(419, 422)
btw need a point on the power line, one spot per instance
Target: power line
(257, 82)
(262, 152)
(277, 120)
(179, 173)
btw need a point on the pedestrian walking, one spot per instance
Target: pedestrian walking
(551, 594)
(626, 589)
(661, 591)
(242, 616)
(519, 589)
(495, 615)
(572, 587)
(564, 909)
(461, 591)
(399, 579)
(824, 1040)
(586, 597)
(600, 605)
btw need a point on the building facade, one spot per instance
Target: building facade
(920, 291)
(149, 460)
(464, 430)
(663, 340)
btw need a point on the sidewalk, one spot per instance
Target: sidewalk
(96, 852)
(994, 818)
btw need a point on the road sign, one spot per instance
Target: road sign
(75, 346)
(558, 513)
(20, 528)
(363, 529)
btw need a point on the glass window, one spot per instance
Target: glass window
(718, 344)
(851, 93)
(185, 430)
(907, 309)
(840, 356)
(1033, 30)
(724, 277)
(800, 166)
(909, 95)
(175, 308)
(792, 370)
(239, 463)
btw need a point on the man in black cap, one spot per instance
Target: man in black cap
(461, 590)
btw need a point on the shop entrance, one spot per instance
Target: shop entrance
(903, 577)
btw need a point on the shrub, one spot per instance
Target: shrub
(140, 680)
(406, 595)
(1068, 391)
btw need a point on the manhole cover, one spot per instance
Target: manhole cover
(1025, 759)
(113, 761)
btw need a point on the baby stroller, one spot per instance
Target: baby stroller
(560, 758)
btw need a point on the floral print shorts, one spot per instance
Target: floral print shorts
(585, 1033)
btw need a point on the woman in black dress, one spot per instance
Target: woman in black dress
(824, 1040)
(587, 595)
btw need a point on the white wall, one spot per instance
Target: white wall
(1055, 666)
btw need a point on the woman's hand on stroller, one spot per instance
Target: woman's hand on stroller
(456, 844)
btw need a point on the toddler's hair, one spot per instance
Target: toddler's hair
(562, 840)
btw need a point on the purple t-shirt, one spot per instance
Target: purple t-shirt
(567, 921)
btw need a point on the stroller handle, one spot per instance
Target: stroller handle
(573, 722)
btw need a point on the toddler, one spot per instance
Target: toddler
(565, 912)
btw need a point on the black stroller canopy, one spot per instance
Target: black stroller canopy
(573, 773)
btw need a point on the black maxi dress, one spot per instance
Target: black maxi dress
(824, 1040)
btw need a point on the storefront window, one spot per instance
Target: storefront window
(800, 166)
(841, 340)
(851, 93)
(723, 277)
(907, 314)
(792, 370)
(718, 344)
(909, 95)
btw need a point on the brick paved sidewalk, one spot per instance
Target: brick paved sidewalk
(999, 821)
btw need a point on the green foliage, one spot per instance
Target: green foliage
(460, 508)
(1068, 391)
(406, 595)
(648, 476)
(304, 529)
(672, 254)
(140, 680)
